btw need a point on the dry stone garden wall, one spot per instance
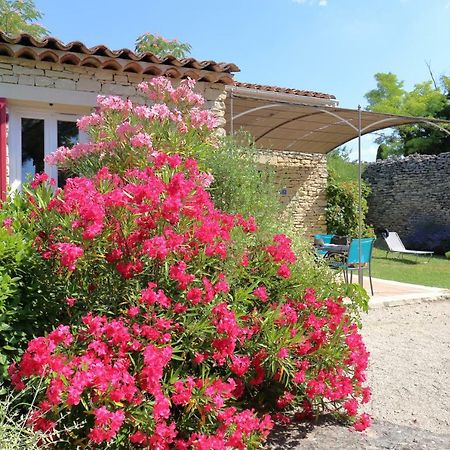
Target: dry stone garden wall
(412, 197)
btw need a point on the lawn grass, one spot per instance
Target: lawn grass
(435, 273)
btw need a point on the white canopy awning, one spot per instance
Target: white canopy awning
(290, 125)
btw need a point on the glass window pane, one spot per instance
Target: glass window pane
(32, 147)
(67, 136)
(67, 133)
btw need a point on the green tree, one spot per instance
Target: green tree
(426, 99)
(162, 47)
(340, 164)
(21, 16)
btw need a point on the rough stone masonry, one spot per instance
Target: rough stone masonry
(302, 181)
(412, 197)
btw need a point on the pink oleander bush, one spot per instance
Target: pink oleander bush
(181, 326)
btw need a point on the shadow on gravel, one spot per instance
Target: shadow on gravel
(328, 434)
(292, 435)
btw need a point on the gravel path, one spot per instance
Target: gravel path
(409, 374)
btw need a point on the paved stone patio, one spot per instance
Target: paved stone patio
(394, 293)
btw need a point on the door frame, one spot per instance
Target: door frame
(51, 118)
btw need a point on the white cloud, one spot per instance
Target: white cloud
(323, 2)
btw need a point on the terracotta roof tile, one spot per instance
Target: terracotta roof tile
(76, 53)
(262, 87)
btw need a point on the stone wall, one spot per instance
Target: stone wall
(302, 180)
(412, 197)
(24, 72)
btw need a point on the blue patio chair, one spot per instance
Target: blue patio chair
(352, 261)
(326, 239)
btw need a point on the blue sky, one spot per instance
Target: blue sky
(332, 46)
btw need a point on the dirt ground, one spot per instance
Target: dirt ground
(409, 373)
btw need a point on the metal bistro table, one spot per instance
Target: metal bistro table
(334, 252)
(336, 257)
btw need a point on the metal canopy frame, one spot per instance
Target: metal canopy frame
(327, 129)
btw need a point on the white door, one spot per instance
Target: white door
(32, 135)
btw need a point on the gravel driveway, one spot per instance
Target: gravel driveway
(409, 374)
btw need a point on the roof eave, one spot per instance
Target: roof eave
(280, 97)
(53, 50)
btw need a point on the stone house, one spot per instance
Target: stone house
(46, 85)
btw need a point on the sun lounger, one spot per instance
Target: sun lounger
(395, 245)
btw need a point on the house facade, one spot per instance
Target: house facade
(45, 86)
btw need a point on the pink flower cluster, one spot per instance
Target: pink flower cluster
(131, 134)
(153, 205)
(63, 155)
(124, 360)
(160, 90)
(118, 366)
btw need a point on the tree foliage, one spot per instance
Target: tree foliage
(424, 100)
(21, 16)
(340, 164)
(161, 46)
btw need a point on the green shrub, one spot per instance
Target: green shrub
(447, 255)
(184, 323)
(28, 293)
(15, 262)
(339, 164)
(241, 184)
(342, 211)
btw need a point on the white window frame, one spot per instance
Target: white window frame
(50, 118)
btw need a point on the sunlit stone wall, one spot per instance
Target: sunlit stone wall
(302, 180)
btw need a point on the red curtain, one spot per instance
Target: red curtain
(3, 120)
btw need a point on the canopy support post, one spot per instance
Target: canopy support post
(360, 271)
